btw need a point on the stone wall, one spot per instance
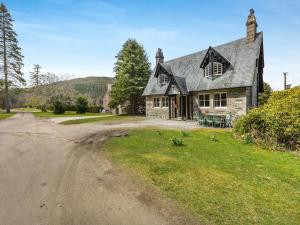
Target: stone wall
(237, 102)
(156, 112)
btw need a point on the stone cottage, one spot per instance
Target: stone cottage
(218, 80)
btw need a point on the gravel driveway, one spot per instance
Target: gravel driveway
(54, 174)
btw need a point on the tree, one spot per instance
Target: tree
(10, 54)
(36, 78)
(50, 78)
(81, 105)
(264, 97)
(132, 73)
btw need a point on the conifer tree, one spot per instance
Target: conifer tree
(132, 73)
(36, 78)
(10, 54)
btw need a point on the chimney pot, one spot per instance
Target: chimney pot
(159, 56)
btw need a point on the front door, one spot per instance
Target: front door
(184, 106)
(173, 106)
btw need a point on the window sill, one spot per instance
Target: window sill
(204, 107)
(220, 108)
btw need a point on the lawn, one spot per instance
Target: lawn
(66, 114)
(5, 115)
(114, 118)
(217, 178)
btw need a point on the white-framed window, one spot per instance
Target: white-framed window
(217, 68)
(208, 70)
(204, 100)
(165, 101)
(164, 79)
(220, 100)
(155, 102)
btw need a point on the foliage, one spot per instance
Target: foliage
(58, 107)
(81, 105)
(264, 97)
(95, 109)
(213, 138)
(224, 182)
(276, 123)
(11, 56)
(177, 141)
(185, 133)
(132, 72)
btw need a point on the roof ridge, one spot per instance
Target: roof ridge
(204, 50)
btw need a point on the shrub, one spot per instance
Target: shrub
(81, 105)
(177, 141)
(185, 133)
(276, 123)
(43, 108)
(213, 138)
(95, 109)
(58, 107)
(159, 132)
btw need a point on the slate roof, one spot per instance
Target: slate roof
(190, 77)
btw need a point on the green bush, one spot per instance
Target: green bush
(177, 141)
(185, 133)
(95, 109)
(58, 107)
(276, 123)
(81, 105)
(43, 108)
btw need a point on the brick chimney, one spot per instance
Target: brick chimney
(159, 56)
(251, 27)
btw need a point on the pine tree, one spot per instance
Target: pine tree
(10, 54)
(36, 78)
(132, 73)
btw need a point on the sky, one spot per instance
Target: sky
(82, 37)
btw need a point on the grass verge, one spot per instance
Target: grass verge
(219, 179)
(66, 114)
(114, 118)
(5, 115)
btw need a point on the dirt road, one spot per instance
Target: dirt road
(53, 174)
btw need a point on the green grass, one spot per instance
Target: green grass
(217, 178)
(66, 114)
(114, 118)
(5, 115)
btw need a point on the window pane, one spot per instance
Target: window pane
(223, 96)
(217, 96)
(223, 103)
(206, 97)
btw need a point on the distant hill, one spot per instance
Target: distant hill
(92, 87)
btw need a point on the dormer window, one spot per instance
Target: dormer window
(218, 68)
(208, 70)
(214, 64)
(213, 69)
(164, 79)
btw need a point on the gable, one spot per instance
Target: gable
(213, 56)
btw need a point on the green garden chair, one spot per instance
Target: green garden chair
(209, 120)
(217, 121)
(201, 119)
